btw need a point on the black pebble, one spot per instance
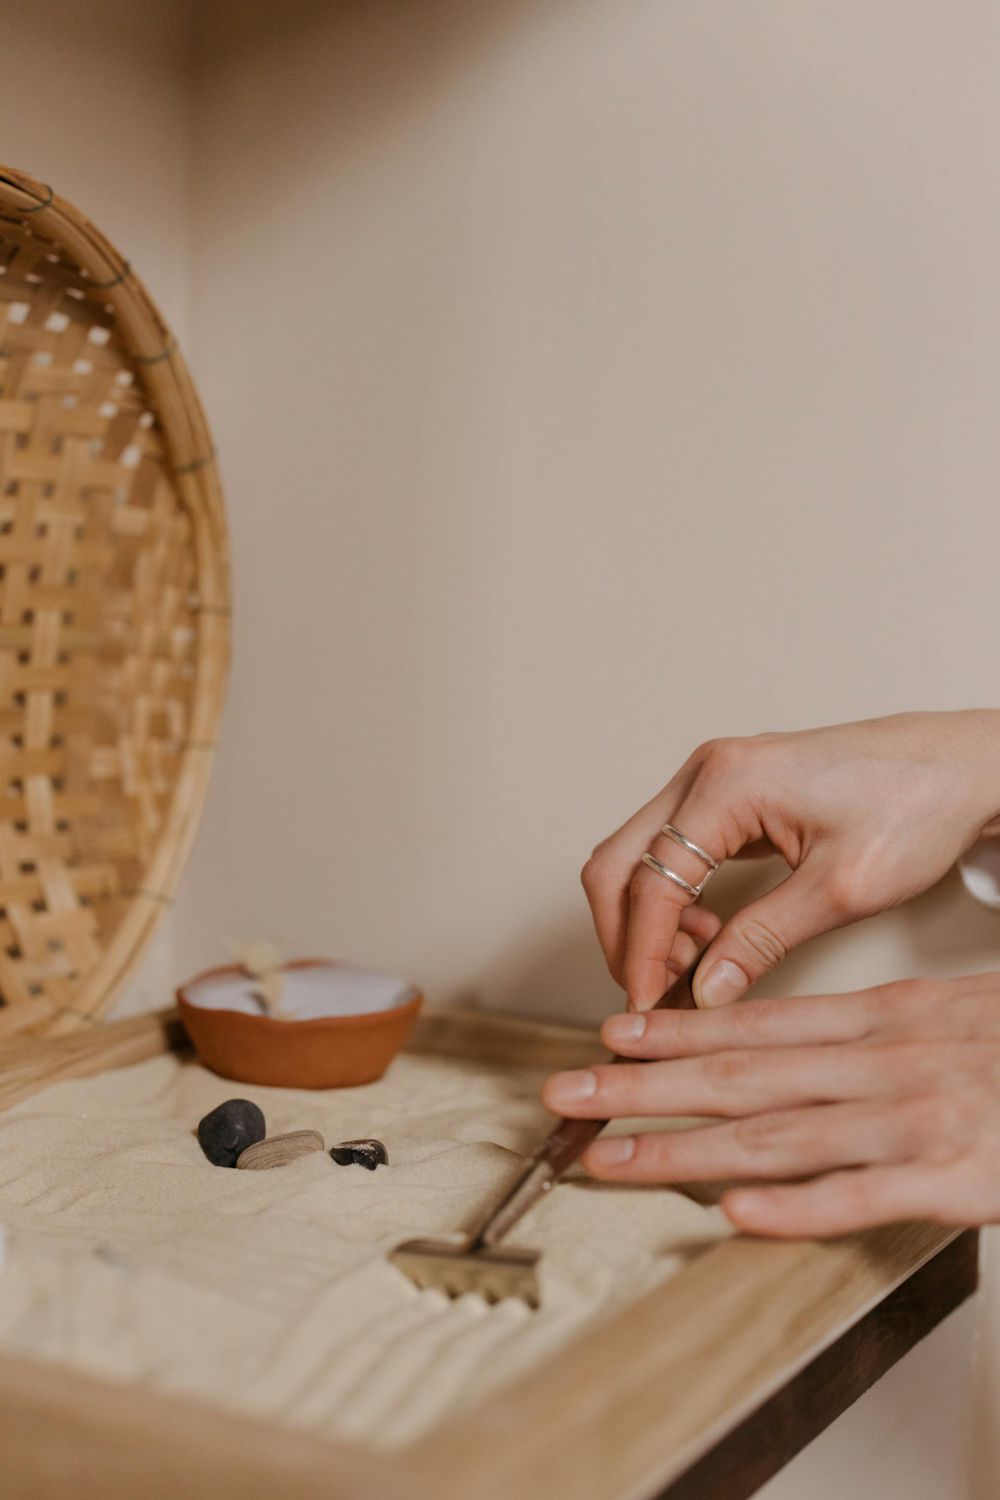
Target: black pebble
(370, 1154)
(230, 1129)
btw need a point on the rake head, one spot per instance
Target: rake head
(488, 1271)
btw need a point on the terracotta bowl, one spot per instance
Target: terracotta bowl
(348, 1025)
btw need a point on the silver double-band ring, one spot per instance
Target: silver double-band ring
(694, 891)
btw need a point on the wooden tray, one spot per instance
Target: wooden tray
(700, 1390)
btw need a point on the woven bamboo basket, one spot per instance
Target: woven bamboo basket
(114, 613)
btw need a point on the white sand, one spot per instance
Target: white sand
(307, 993)
(132, 1257)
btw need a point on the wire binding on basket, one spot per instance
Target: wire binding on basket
(154, 359)
(33, 208)
(195, 464)
(105, 286)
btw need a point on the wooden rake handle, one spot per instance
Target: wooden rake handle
(570, 1138)
(562, 1147)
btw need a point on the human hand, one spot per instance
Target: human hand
(866, 815)
(888, 1100)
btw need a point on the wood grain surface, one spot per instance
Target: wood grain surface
(29, 1064)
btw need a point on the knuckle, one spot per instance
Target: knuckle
(598, 868)
(757, 1134)
(854, 889)
(902, 993)
(936, 1117)
(762, 942)
(893, 1004)
(667, 1032)
(724, 756)
(648, 887)
(706, 750)
(854, 1193)
(653, 1153)
(946, 1123)
(756, 1019)
(843, 894)
(722, 1069)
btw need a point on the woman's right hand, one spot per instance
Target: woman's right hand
(866, 816)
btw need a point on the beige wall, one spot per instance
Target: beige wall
(589, 379)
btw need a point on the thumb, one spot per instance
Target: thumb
(758, 938)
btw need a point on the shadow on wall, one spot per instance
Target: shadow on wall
(374, 62)
(944, 933)
(560, 973)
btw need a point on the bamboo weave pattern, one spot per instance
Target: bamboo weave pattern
(113, 612)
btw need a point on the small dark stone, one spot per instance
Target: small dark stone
(370, 1154)
(229, 1130)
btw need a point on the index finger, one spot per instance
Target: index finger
(802, 1021)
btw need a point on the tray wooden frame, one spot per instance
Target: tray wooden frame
(702, 1388)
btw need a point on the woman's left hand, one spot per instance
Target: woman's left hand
(887, 1101)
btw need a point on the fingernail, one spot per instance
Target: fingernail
(724, 983)
(613, 1152)
(627, 1028)
(572, 1088)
